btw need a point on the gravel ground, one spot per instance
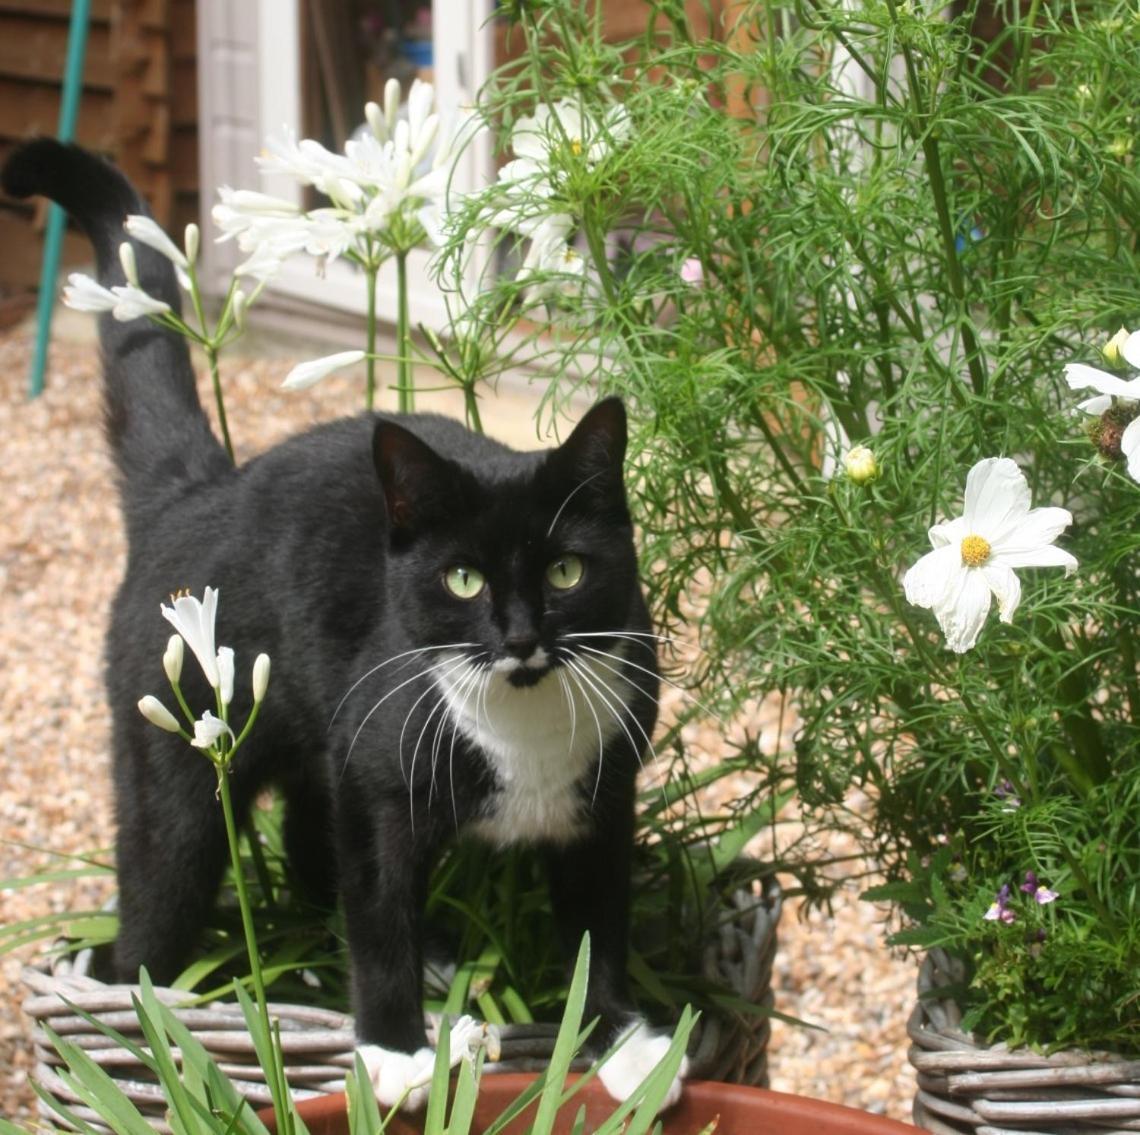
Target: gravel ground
(61, 553)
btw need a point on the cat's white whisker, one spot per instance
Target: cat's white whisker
(569, 705)
(570, 496)
(478, 671)
(415, 752)
(605, 691)
(437, 742)
(452, 665)
(597, 724)
(368, 715)
(660, 677)
(408, 654)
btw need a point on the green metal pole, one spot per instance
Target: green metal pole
(53, 238)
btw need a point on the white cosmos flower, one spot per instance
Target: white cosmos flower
(975, 554)
(194, 619)
(306, 374)
(1110, 389)
(207, 730)
(147, 231)
(558, 133)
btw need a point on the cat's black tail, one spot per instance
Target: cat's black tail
(158, 431)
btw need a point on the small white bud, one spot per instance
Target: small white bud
(226, 674)
(130, 265)
(191, 241)
(376, 123)
(172, 659)
(1110, 352)
(157, 714)
(391, 104)
(861, 465)
(260, 677)
(240, 306)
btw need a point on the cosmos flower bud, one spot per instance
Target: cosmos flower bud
(861, 465)
(157, 714)
(172, 659)
(1110, 352)
(260, 678)
(130, 265)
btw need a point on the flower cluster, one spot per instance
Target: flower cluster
(193, 620)
(386, 191)
(1001, 909)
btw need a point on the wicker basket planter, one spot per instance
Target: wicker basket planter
(318, 1044)
(967, 1086)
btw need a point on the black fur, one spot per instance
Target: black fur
(329, 553)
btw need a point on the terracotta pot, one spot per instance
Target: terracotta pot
(739, 1111)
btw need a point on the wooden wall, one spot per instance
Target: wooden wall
(139, 106)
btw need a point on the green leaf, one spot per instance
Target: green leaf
(466, 1093)
(149, 1015)
(565, 1045)
(436, 1117)
(363, 1112)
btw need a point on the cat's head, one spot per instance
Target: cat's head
(510, 553)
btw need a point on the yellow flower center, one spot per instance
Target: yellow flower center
(975, 551)
(576, 147)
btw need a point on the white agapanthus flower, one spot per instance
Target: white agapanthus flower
(975, 555)
(194, 619)
(389, 186)
(1114, 392)
(306, 374)
(124, 301)
(146, 231)
(207, 730)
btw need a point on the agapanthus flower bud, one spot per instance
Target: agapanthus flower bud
(172, 658)
(260, 677)
(861, 465)
(191, 241)
(240, 303)
(157, 714)
(130, 265)
(376, 123)
(391, 104)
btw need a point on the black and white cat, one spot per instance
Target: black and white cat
(467, 616)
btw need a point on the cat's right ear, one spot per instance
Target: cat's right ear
(416, 481)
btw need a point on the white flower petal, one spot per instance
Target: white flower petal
(83, 294)
(1045, 555)
(1096, 405)
(1131, 350)
(194, 621)
(1038, 528)
(997, 497)
(1130, 447)
(948, 532)
(927, 583)
(306, 374)
(1079, 376)
(208, 729)
(1005, 585)
(962, 612)
(132, 302)
(147, 231)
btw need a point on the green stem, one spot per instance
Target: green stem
(215, 378)
(404, 366)
(471, 407)
(370, 383)
(275, 1074)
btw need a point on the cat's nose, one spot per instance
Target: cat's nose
(521, 645)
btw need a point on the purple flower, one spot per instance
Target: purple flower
(1005, 791)
(1033, 886)
(999, 909)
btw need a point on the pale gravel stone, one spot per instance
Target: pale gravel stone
(61, 553)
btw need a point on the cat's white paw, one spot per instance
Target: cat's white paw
(394, 1073)
(641, 1051)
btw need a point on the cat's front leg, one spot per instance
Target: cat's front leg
(590, 887)
(384, 872)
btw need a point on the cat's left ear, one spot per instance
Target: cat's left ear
(417, 482)
(595, 451)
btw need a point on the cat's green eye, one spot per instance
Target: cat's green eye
(464, 582)
(565, 572)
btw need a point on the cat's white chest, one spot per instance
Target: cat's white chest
(543, 742)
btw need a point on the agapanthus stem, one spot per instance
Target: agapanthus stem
(275, 1074)
(215, 378)
(403, 347)
(370, 383)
